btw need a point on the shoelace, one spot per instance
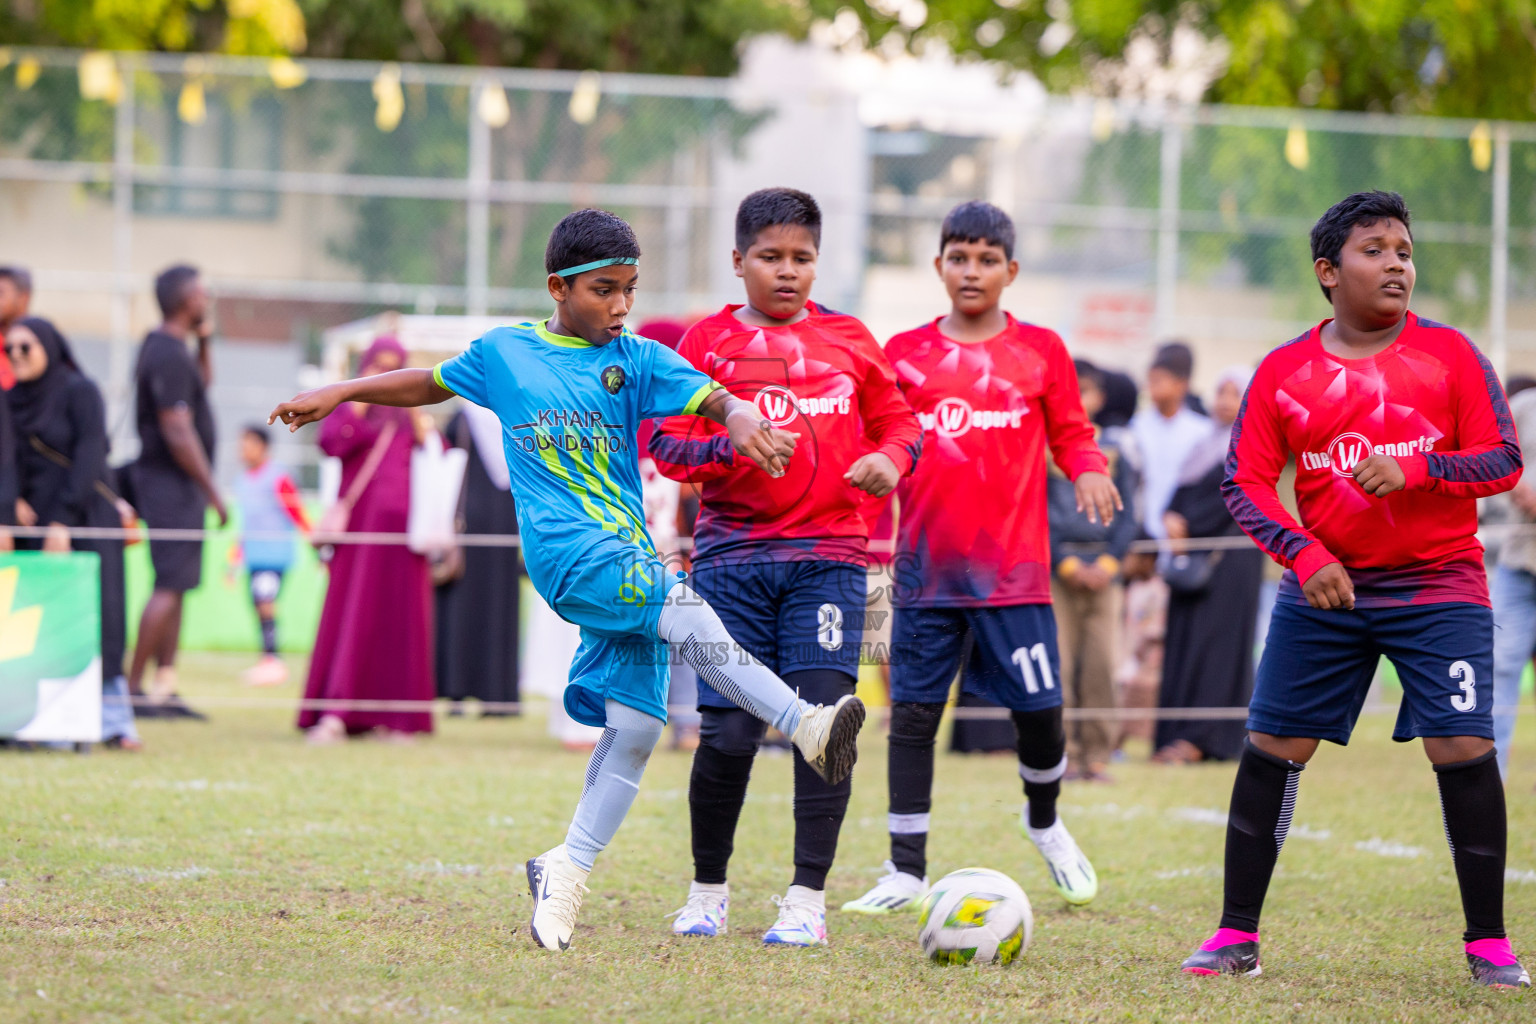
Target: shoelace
(565, 899)
(1057, 846)
(795, 914)
(699, 905)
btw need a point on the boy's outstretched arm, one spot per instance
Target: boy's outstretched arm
(403, 388)
(750, 434)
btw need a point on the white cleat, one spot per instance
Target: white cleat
(556, 885)
(895, 891)
(802, 919)
(1071, 873)
(828, 738)
(705, 913)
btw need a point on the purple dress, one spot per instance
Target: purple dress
(375, 638)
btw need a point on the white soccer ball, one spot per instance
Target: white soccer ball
(975, 916)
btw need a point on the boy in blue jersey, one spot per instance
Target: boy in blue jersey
(571, 392)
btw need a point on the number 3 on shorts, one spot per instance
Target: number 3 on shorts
(1462, 673)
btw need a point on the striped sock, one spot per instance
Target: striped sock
(1263, 800)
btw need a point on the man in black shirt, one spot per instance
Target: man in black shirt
(173, 478)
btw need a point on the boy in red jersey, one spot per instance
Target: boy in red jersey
(784, 559)
(1397, 426)
(973, 562)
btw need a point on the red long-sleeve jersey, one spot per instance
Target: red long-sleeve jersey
(824, 378)
(973, 530)
(1431, 401)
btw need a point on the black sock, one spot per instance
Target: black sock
(1472, 803)
(819, 808)
(269, 636)
(1263, 799)
(909, 775)
(1042, 761)
(722, 767)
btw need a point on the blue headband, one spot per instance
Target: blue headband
(573, 271)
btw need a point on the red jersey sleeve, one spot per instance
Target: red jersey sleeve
(889, 422)
(1255, 459)
(1489, 460)
(293, 504)
(692, 449)
(1067, 429)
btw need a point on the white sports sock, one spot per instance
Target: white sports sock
(613, 779)
(691, 626)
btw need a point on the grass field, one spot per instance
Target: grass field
(231, 873)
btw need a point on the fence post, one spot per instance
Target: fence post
(1168, 221)
(122, 246)
(1498, 277)
(477, 254)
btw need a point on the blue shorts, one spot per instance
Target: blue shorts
(615, 595)
(791, 616)
(1318, 665)
(1009, 655)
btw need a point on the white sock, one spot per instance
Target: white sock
(691, 626)
(803, 894)
(723, 888)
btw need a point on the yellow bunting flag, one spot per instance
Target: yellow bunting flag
(286, 73)
(99, 78)
(27, 70)
(493, 107)
(192, 105)
(1481, 141)
(1296, 147)
(390, 98)
(585, 97)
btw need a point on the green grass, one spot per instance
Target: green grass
(231, 873)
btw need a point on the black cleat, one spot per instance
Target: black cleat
(1234, 958)
(1486, 972)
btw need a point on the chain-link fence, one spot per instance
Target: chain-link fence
(314, 192)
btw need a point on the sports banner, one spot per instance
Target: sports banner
(50, 647)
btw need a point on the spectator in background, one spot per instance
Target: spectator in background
(270, 511)
(375, 636)
(1086, 592)
(1166, 433)
(15, 300)
(1513, 584)
(61, 436)
(478, 592)
(1214, 601)
(173, 477)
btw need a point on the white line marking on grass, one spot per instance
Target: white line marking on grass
(437, 867)
(1199, 815)
(1205, 872)
(1390, 849)
(161, 874)
(1510, 875)
(1308, 832)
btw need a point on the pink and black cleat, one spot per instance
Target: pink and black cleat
(1493, 963)
(1229, 951)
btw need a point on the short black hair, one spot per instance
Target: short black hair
(19, 276)
(1086, 371)
(171, 287)
(1332, 230)
(978, 221)
(770, 207)
(588, 235)
(1176, 358)
(260, 432)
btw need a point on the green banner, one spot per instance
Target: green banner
(50, 627)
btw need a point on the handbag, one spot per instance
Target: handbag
(334, 521)
(126, 514)
(1191, 573)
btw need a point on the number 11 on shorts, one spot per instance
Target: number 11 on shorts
(1466, 700)
(1021, 658)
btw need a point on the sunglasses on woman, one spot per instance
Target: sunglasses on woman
(20, 348)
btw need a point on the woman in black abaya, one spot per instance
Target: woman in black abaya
(59, 420)
(1213, 602)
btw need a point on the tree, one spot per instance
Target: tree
(257, 27)
(1442, 57)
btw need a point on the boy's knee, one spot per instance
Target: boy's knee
(730, 731)
(915, 724)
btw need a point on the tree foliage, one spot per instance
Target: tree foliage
(1462, 58)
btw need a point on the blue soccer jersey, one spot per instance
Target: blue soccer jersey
(569, 414)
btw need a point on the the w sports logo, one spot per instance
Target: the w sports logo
(777, 404)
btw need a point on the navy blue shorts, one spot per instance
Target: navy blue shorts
(791, 616)
(1009, 655)
(1318, 665)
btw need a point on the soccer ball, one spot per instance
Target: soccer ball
(975, 915)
